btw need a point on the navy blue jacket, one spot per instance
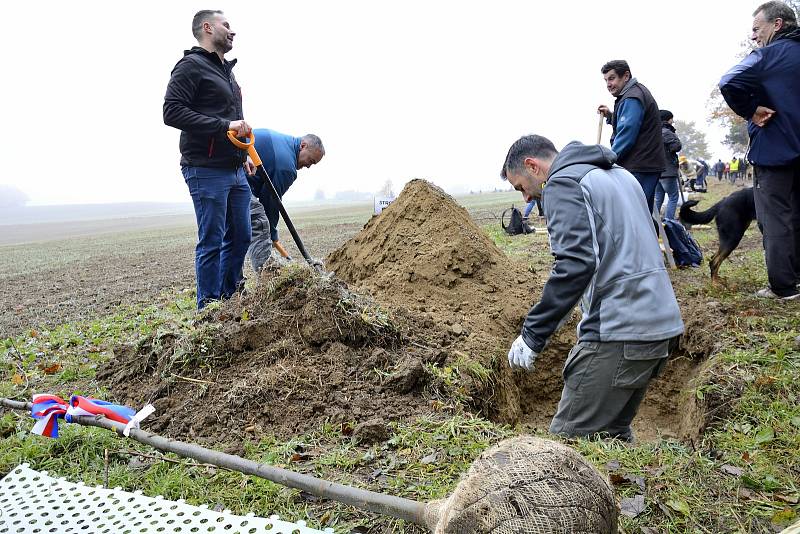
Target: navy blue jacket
(278, 153)
(769, 76)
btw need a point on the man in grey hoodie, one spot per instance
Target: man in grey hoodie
(601, 235)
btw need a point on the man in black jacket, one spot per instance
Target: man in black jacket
(669, 182)
(204, 101)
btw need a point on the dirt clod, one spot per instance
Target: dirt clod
(371, 431)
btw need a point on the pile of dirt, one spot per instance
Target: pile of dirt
(418, 317)
(425, 253)
(428, 328)
(298, 350)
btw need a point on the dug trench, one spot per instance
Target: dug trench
(416, 318)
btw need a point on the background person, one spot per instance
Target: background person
(669, 183)
(601, 235)
(702, 173)
(688, 168)
(719, 170)
(538, 202)
(204, 101)
(734, 169)
(636, 125)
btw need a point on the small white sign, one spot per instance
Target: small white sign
(381, 203)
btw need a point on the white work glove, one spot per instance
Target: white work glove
(520, 355)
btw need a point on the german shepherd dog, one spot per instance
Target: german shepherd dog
(734, 214)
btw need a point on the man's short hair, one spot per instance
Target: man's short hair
(314, 141)
(620, 66)
(528, 146)
(778, 10)
(200, 17)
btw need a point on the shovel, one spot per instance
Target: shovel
(262, 172)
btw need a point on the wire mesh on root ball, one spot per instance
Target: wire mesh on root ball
(528, 485)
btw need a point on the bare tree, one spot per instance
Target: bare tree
(736, 137)
(693, 140)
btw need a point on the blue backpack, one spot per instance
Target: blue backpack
(684, 247)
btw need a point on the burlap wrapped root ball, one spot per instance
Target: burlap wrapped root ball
(528, 485)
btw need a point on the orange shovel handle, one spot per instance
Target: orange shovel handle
(249, 146)
(279, 247)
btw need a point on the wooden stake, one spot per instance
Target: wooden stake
(600, 128)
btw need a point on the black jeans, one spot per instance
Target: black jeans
(777, 197)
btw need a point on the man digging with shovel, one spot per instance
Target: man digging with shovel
(605, 257)
(282, 155)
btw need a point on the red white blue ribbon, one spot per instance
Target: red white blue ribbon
(48, 409)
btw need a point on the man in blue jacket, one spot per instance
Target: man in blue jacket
(765, 89)
(601, 235)
(636, 127)
(282, 156)
(204, 101)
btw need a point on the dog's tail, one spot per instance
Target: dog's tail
(697, 217)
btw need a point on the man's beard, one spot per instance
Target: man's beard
(224, 45)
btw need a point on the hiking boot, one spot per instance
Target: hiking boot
(768, 294)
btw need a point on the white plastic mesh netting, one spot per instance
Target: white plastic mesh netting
(528, 485)
(32, 502)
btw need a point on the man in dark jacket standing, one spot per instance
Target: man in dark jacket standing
(601, 235)
(719, 169)
(669, 182)
(204, 101)
(765, 89)
(636, 126)
(283, 155)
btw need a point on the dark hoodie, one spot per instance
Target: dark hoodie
(202, 99)
(606, 255)
(769, 77)
(672, 145)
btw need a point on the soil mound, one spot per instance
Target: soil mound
(417, 318)
(299, 350)
(425, 253)
(421, 243)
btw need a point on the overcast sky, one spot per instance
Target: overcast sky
(400, 90)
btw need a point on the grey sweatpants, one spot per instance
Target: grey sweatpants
(261, 242)
(604, 383)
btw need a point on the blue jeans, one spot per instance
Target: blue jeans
(648, 181)
(701, 180)
(221, 200)
(529, 208)
(670, 187)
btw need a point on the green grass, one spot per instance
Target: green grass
(30, 259)
(50, 360)
(740, 476)
(422, 460)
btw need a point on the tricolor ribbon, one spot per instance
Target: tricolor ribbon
(48, 409)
